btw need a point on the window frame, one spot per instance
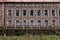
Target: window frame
(30, 12)
(53, 24)
(37, 12)
(8, 12)
(25, 12)
(8, 24)
(38, 23)
(24, 23)
(46, 23)
(46, 12)
(54, 13)
(18, 12)
(16, 23)
(32, 23)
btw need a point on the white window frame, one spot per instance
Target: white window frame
(51, 11)
(15, 23)
(33, 12)
(11, 12)
(15, 12)
(23, 23)
(22, 12)
(47, 12)
(46, 23)
(38, 23)
(8, 23)
(52, 23)
(30, 23)
(40, 12)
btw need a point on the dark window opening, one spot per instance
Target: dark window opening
(46, 12)
(24, 12)
(32, 23)
(17, 12)
(39, 12)
(9, 12)
(17, 23)
(24, 23)
(46, 22)
(53, 12)
(59, 12)
(39, 23)
(31, 12)
(53, 22)
(10, 23)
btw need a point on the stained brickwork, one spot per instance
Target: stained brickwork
(35, 17)
(12, 7)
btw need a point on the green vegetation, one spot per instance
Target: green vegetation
(31, 37)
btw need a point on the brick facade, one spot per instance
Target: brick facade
(4, 7)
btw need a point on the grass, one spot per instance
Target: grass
(31, 37)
